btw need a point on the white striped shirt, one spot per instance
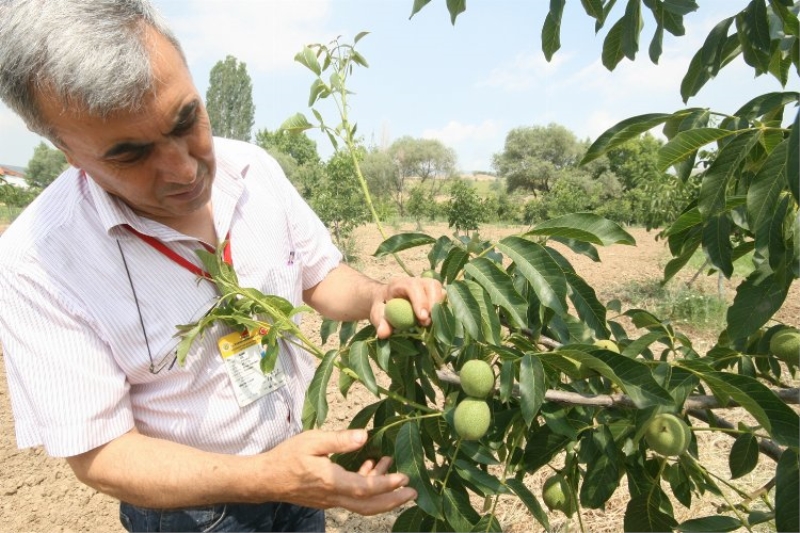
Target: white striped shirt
(75, 354)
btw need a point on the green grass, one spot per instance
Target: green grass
(742, 267)
(677, 303)
(8, 214)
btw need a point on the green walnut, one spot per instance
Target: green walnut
(667, 434)
(472, 418)
(785, 345)
(400, 314)
(432, 274)
(477, 378)
(557, 496)
(606, 344)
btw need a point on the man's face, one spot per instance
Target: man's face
(159, 160)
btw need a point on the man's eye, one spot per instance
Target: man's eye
(185, 125)
(133, 156)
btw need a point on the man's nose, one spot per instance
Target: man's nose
(177, 164)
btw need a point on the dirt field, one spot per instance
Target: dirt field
(40, 494)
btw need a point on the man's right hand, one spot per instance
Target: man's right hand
(301, 472)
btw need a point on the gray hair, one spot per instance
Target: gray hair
(87, 53)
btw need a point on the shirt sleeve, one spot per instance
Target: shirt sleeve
(310, 239)
(67, 393)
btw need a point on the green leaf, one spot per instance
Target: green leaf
(757, 298)
(612, 46)
(411, 461)
(590, 310)
(579, 247)
(643, 513)
(540, 269)
(443, 324)
(456, 7)
(466, 309)
(710, 524)
(543, 444)
(766, 104)
(777, 418)
(359, 362)
(359, 36)
(632, 27)
(622, 132)
(456, 258)
(714, 188)
(717, 243)
(551, 31)
(531, 387)
(787, 492)
(636, 379)
(584, 227)
(402, 241)
(593, 8)
(485, 482)
(490, 321)
(687, 142)
(296, 123)
(418, 4)
(744, 455)
(458, 509)
(602, 471)
(793, 159)
(308, 58)
(530, 501)
(498, 284)
(411, 520)
(316, 396)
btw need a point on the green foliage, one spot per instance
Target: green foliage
(534, 158)
(229, 100)
(519, 304)
(298, 146)
(337, 200)
(45, 165)
(464, 209)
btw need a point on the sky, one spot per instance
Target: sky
(466, 84)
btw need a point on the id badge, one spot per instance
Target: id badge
(241, 353)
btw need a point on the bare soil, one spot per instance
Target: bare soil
(40, 494)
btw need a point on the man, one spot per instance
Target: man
(98, 271)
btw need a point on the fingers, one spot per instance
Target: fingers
(370, 468)
(423, 293)
(379, 504)
(324, 443)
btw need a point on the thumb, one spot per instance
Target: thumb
(328, 442)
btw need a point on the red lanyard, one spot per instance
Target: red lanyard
(177, 258)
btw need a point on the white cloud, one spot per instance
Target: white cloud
(524, 72)
(265, 35)
(455, 132)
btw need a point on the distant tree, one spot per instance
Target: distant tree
(297, 155)
(45, 165)
(296, 145)
(426, 159)
(533, 158)
(380, 172)
(636, 161)
(338, 201)
(229, 100)
(465, 211)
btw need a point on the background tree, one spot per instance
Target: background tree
(464, 209)
(533, 158)
(297, 156)
(229, 100)
(45, 165)
(427, 159)
(338, 200)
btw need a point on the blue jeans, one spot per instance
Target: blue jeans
(224, 517)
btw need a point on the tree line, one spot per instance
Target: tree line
(538, 173)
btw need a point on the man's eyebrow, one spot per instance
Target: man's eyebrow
(123, 148)
(184, 115)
